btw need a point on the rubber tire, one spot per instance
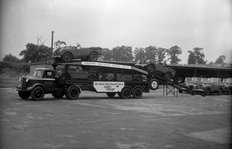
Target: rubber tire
(150, 68)
(220, 92)
(125, 93)
(93, 56)
(110, 94)
(37, 93)
(67, 57)
(72, 93)
(152, 83)
(137, 93)
(207, 92)
(24, 94)
(228, 91)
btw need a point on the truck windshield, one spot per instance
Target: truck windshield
(38, 73)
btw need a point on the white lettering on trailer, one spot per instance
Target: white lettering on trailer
(103, 86)
(106, 65)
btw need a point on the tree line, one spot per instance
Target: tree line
(41, 53)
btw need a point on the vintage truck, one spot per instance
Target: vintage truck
(112, 79)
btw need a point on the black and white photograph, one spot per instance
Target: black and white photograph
(115, 74)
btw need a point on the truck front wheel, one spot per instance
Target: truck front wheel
(72, 92)
(37, 93)
(24, 94)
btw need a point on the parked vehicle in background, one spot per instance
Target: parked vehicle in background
(153, 67)
(226, 86)
(68, 53)
(211, 85)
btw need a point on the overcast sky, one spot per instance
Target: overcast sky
(110, 23)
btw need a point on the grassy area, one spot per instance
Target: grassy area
(9, 78)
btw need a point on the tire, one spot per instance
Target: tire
(67, 57)
(137, 93)
(228, 91)
(125, 93)
(93, 56)
(154, 84)
(207, 92)
(151, 68)
(219, 91)
(110, 94)
(72, 93)
(37, 93)
(24, 94)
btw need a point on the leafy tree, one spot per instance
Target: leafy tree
(58, 43)
(10, 58)
(123, 53)
(196, 56)
(139, 54)
(151, 53)
(173, 52)
(36, 53)
(220, 59)
(161, 55)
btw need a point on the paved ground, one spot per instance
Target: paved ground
(95, 121)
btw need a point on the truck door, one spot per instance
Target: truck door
(49, 80)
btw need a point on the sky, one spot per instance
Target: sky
(110, 23)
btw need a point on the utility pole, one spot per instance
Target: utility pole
(52, 41)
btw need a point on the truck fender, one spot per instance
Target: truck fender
(33, 86)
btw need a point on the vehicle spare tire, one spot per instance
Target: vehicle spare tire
(154, 84)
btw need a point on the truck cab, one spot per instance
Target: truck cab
(36, 85)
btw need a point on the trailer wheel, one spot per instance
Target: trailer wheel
(37, 93)
(154, 84)
(24, 94)
(110, 94)
(72, 93)
(137, 93)
(125, 93)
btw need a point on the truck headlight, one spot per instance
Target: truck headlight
(26, 80)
